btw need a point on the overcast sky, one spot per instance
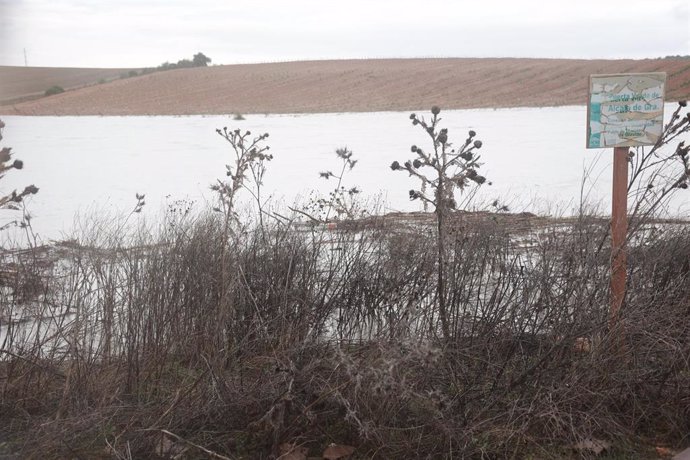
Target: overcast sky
(139, 33)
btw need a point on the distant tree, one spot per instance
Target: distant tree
(185, 63)
(200, 60)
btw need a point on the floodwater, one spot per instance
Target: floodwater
(535, 159)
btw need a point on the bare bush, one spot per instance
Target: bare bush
(211, 338)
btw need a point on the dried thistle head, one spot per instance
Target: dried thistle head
(30, 190)
(5, 154)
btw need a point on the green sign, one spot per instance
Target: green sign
(625, 110)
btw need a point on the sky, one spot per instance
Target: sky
(146, 33)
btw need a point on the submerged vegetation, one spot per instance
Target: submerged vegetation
(464, 335)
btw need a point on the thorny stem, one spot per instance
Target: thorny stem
(440, 211)
(249, 156)
(340, 181)
(443, 182)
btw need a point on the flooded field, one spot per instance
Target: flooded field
(534, 157)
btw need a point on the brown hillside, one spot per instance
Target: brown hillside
(349, 85)
(24, 83)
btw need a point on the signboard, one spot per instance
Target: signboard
(625, 110)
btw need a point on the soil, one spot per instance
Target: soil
(18, 84)
(326, 86)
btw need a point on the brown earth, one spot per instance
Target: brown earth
(337, 86)
(25, 83)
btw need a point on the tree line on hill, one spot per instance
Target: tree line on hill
(198, 60)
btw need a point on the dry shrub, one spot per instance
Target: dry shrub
(213, 337)
(335, 337)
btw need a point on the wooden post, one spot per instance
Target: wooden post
(619, 230)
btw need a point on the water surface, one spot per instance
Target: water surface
(535, 159)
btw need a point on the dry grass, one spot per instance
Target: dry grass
(335, 337)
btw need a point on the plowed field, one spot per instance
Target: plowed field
(25, 83)
(338, 86)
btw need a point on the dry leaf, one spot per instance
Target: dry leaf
(595, 446)
(582, 345)
(164, 446)
(663, 451)
(167, 448)
(336, 451)
(291, 451)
